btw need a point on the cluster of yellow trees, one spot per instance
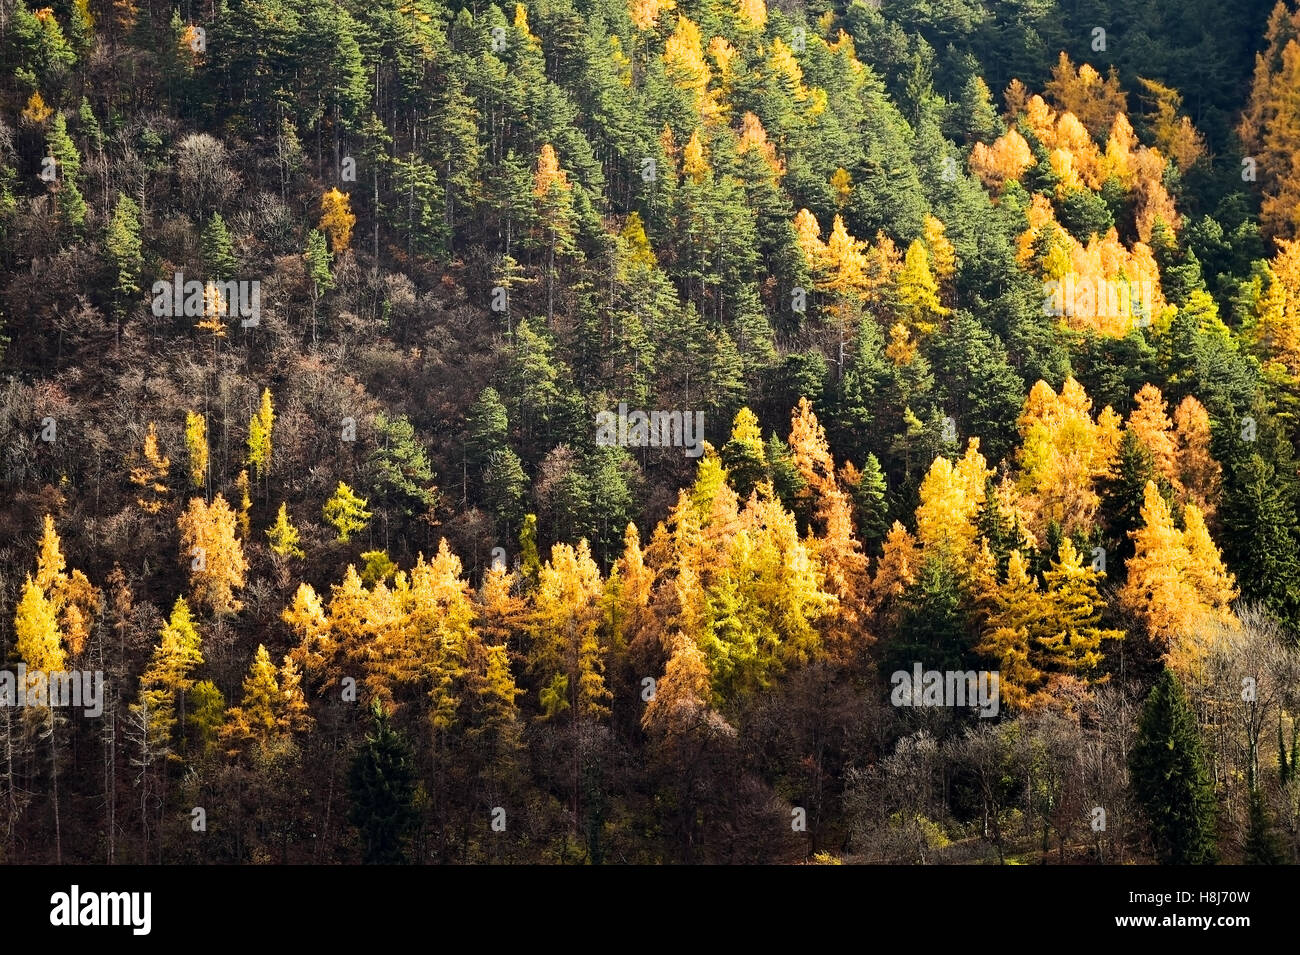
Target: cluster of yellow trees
(1270, 124)
(727, 594)
(58, 612)
(1092, 107)
(916, 286)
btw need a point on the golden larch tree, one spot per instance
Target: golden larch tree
(150, 474)
(75, 600)
(752, 14)
(695, 163)
(1063, 453)
(168, 676)
(1199, 474)
(1152, 427)
(944, 259)
(951, 496)
(1270, 124)
(216, 559)
(336, 219)
(1010, 610)
(196, 447)
(346, 512)
(917, 293)
(36, 631)
(259, 437)
(1176, 581)
(564, 635)
(283, 535)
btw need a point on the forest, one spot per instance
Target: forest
(650, 432)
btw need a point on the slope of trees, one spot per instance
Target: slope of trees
(989, 361)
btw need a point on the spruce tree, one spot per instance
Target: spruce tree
(489, 429)
(1261, 539)
(1261, 845)
(504, 484)
(382, 782)
(218, 252)
(870, 500)
(403, 476)
(1171, 779)
(122, 242)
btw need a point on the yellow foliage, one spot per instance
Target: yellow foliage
(694, 162)
(49, 559)
(521, 24)
(1199, 474)
(916, 293)
(723, 53)
(687, 69)
(638, 243)
(549, 174)
(942, 256)
(783, 64)
(808, 234)
(36, 111)
(845, 260)
(752, 14)
(1275, 324)
(951, 496)
(1270, 124)
(74, 600)
(899, 564)
(901, 348)
(1083, 92)
(841, 186)
(1063, 454)
(336, 219)
(1175, 135)
(754, 136)
(196, 446)
(1041, 216)
(188, 42)
(213, 553)
(151, 474)
(1151, 426)
(645, 13)
(36, 632)
(622, 65)
(1176, 582)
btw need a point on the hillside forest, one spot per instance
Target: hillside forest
(572, 431)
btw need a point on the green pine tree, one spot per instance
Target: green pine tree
(1262, 846)
(1171, 779)
(870, 498)
(489, 428)
(786, 480)
(382, 785)
(1261, 540)
(218, 251)
(403, 476)
(504, 484)
(124, 247)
